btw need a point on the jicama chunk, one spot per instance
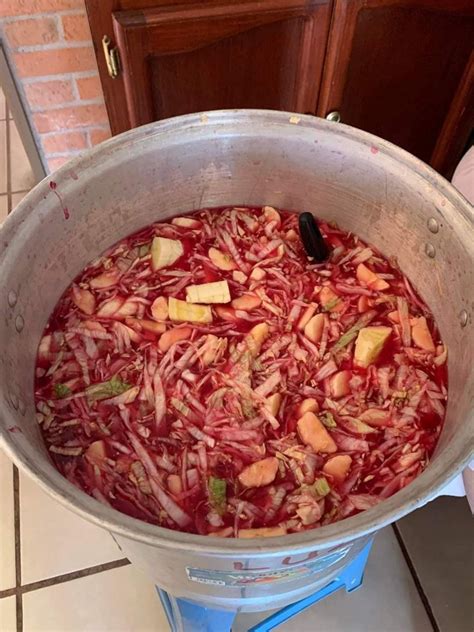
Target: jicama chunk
(262, 532)
(221, 260)
(375, 417)
(273, 403)
(147, 325)
(172, 336)
(186, 222)
(357, 426)
(421, 335)
(96, 451)
(247, 302)
(110, 308)
(258, 274)
(338, 467)
(369, 344)
(272, 215)
(259, 473)
(105, 280)
(307, 315)
(128, 308)
(309, 405)
(159, 308)
(84, 299)
(216, 292)
(239, 276)
(314, 328)
(339, 384)
(313, 433)
(257, 336)
(165, 252)
(174, 484)
(44, 347)
(181, 311)
(370, 279)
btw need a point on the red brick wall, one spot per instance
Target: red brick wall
(50, 49)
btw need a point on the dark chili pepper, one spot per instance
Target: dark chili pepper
(313, 241)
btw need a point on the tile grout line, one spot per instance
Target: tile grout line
(66, 577)
(416, 579)
(17, 523)
(8, 157)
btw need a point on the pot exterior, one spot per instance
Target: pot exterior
(300, 163)
(241, 583)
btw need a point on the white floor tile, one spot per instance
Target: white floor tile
(3, 157)
(121, 600)
(439, 541)
(3, 208)
(55, 540)
(22, 176)
(8, 614)
(7, 528)
(17, 198)
(386, 602)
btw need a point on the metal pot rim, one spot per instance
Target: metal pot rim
(366, 522)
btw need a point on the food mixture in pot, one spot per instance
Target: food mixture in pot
(205, 375)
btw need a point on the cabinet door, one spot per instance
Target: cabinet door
(188, 57)
(401, 69)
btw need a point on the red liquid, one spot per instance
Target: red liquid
(165, 425)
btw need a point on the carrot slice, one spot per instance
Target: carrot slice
(259, 473)
(338, 467)
(314, 328)
(172, 336)
(313, 433)
(247, 302)
(84, 299)
(370, 279)
(422, 336)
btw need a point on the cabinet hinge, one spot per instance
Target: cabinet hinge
(112, 57)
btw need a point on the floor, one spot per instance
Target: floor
(16, 175)
(59, 573)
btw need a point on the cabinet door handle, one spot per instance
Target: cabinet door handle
(334, 116)
(112, 58)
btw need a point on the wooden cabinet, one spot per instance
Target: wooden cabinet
(188, 57)
(402, 69)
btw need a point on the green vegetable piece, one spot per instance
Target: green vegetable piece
(61, 390)
(399, 397)
(247, 409)
(321, 486)
(217, 493)
(144, 249)
(351, 333)
(328, 307)
(180, 407)
(328, 420)
(105, 390)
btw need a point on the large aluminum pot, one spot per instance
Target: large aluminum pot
(365, 184)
